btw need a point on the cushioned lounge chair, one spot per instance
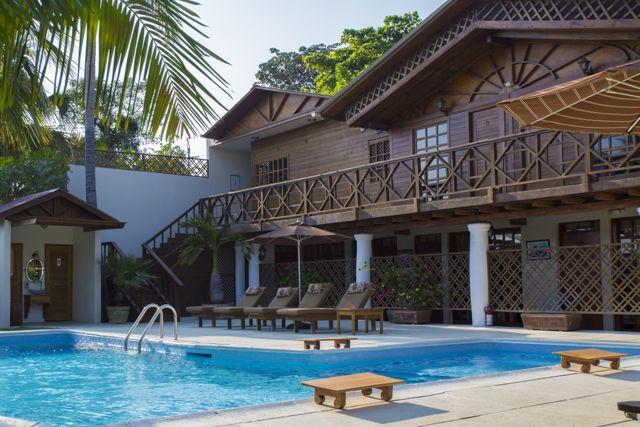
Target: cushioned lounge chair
(356, 296)
(252, 298)
(285, 297)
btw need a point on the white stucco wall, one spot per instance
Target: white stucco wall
(147, 202)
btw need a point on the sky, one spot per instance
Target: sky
(243, 31)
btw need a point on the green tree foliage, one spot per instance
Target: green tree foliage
(285, 70)
(124, 134)
(358, 48)
(32, 172)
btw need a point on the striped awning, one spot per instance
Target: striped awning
(607, 103)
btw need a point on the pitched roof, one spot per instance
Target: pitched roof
(57, 207)
(270, 107)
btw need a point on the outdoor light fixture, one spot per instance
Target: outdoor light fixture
(262, 252)
(441, 105)
(585, 66)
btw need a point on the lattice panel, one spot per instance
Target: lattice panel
(505, 10)
(597, 279)
(452, 270)
(143, 162)
(339, 272)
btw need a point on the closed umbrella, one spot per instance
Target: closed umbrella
(607, 103)
(297, 233)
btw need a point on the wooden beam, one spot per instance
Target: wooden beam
(488, 209)
(543, 203)
(605, 196)
(463, 212)
(441, 214)
(572, 200)
(516, 206)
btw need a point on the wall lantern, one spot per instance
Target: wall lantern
(441, 105)
(585, 66)
(262, 252)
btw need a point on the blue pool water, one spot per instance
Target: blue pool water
(70, 379)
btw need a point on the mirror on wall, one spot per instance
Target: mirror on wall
(34, 274)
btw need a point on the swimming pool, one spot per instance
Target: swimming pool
(64, 378)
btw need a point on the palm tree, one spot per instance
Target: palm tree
(208, 237)
(118, 41)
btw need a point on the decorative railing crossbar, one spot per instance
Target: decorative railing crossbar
(599, 279)
(527, 161)
(143, 162)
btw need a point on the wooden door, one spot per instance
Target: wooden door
(59, 281)
(16, 284)
(580, 275)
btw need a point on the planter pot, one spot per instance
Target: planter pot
(551, 321)
(413, 317)
(118, 314)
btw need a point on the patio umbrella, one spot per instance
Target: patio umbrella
(297, 233)
(607, 103)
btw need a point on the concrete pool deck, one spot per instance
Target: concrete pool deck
(541, 396)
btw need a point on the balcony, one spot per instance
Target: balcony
(507, 172)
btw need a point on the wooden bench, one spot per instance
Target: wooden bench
(337, 387)
(588, 357)
(315, 342)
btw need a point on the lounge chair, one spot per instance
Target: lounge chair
(285, 297)
(356, 296)
(252, 297)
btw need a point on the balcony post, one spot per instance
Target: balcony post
(478, 270)
(5, 274)
(239, 272)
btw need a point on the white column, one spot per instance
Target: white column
(240, 282)
(87, 295)
(254, 266)
(5, 274)
(478, 271)
(363, 257)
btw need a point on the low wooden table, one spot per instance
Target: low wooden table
(588, 357)
(315, 342)
(368, 314)
(337, 387)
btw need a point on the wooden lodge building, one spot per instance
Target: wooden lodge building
(415, 160)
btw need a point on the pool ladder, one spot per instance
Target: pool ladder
(158, 313)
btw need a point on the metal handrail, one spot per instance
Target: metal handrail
(159, 312)
(137, 322)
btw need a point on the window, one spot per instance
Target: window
(508, 238)
(626, 230)
(384, 246)
(610, 150)
(428, 244)
(234, 182)
(379, 151)
(272, 171)
(459, 241)
(323, 252)
(432, 139)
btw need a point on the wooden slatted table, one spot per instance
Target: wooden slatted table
(588, 357)
(337, 342)
(337, 387)
(368, 314)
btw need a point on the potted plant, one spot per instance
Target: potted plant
(415, 294)
(127, 274)
(209, 236)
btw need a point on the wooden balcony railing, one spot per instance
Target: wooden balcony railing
(143, 162)
(538, 160)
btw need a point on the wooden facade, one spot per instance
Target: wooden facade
(453, 156)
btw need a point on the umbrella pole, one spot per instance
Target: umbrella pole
(299, 275)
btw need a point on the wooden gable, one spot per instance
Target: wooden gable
(262, 107)
(447, 40)
(57, 207)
